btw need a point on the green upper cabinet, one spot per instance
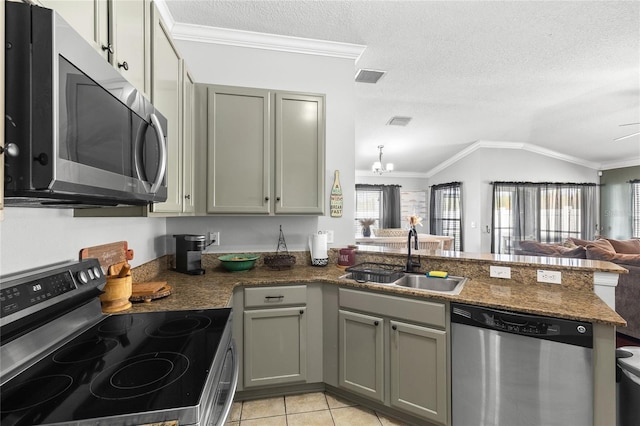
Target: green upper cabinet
(130, 41)
(188, 155)
(118, 29)
(90, 18)
(300, 154)
(265, 151)
(166, 95)
(239, 150)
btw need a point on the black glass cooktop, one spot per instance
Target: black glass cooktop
(125, 364)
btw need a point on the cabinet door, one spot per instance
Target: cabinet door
(419, 370)
(300, 154)
(361, 352)
(129, 26)
(275, 346)
(166, 95)
(188, 158)
(239, 150)
(88, 17)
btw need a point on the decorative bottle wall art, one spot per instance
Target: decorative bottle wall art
(336, 196)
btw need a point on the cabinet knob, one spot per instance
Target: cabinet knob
(278, 199)
(394, 327)
(301, 311)
(11, 149)
(375, 323)
(266, 198)
(108, 48)
(124, 65)
(187, 197)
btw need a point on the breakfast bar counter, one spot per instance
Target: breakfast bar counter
(571, 300)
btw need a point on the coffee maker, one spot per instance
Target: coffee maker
(189, 253)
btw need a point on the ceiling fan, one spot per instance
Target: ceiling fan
(630, 135)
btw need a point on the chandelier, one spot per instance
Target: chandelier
(380, 168)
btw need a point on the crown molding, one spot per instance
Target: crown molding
(166, 15)
(369, 174)
(511, 145)
(620, 164)
(255, 40)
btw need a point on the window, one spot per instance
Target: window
(378, 202)
(446, 212)
(368, 205)
(635, 208)
(544, 212)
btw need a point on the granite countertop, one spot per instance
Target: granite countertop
(215, 288)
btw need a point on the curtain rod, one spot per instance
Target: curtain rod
(444, 185)
(545, 183)
(373, 185)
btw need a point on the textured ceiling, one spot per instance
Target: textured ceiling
(559, 75)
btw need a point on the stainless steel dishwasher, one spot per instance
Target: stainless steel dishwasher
(515, 369)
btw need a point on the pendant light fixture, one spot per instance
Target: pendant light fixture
(380, 168)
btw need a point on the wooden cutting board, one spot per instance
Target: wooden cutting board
(108, 254)
(146, 292)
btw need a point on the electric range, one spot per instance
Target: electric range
(64, 362)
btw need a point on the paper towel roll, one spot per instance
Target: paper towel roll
(318, 245)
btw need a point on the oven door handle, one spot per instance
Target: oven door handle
(234, 383)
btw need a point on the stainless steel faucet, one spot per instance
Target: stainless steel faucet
(410, 263)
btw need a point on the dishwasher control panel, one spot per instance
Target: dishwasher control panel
(538, 326)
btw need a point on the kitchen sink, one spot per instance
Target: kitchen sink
(449, 285)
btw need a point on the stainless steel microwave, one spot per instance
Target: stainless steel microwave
(82, 134)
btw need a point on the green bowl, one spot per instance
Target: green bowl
(238, 262)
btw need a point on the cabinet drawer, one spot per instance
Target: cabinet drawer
(275, 296)
(421, 311)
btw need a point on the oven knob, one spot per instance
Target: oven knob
(82, 276)
(97, 271)
(91, 276)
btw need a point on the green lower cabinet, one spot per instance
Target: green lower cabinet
(361, 354)
(275, 346)
(396, 363)
(418, 370)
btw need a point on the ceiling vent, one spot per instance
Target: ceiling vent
(369, 76)
(398, 121)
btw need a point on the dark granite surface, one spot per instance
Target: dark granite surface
(574, 299)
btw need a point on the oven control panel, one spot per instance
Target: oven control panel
(28, 290)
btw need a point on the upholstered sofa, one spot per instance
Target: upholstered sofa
(625, 253)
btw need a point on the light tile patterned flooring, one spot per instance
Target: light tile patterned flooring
(310, 409)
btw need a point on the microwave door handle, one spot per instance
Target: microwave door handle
(137, 160)
(163, 154)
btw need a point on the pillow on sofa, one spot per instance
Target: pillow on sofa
(556, 250)
(602, 249)
(579, 242)
(625, 246)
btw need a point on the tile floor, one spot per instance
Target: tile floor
(310, 409)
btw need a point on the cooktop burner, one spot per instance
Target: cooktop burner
(125, 364)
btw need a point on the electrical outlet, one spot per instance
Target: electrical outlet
(500, 272)
(214, 238)
(552, 277)
(329, 236)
